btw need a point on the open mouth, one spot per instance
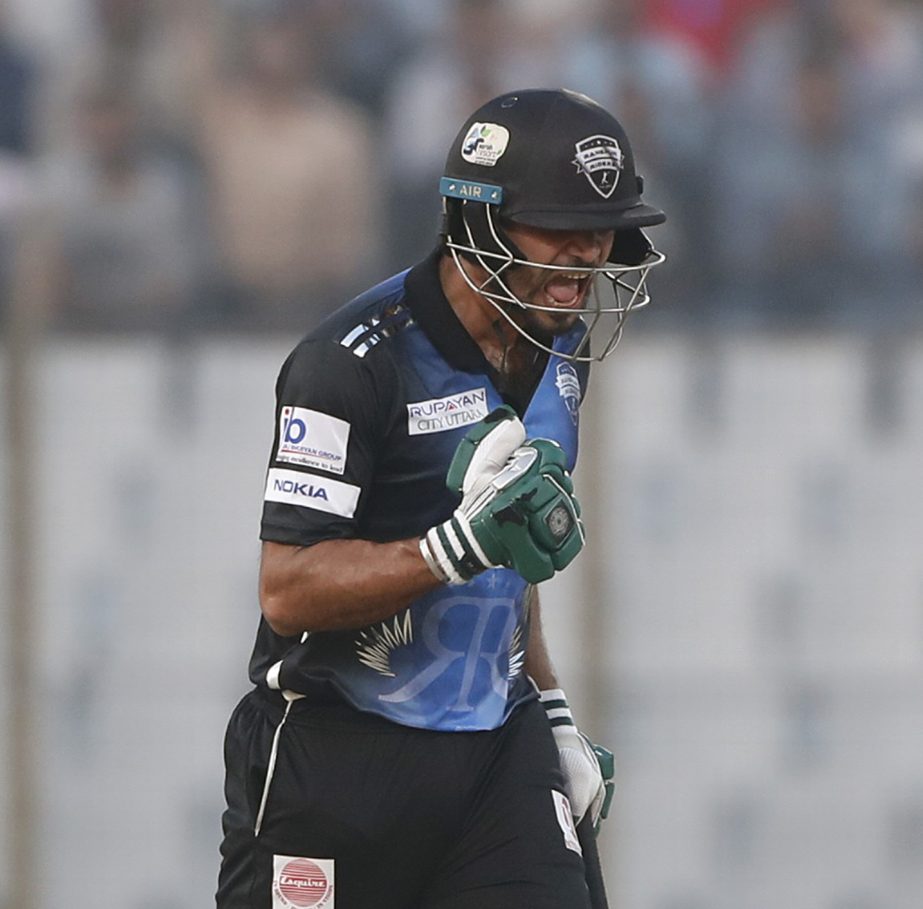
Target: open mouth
(566, 289)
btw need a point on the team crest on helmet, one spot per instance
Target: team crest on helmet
(600, 159)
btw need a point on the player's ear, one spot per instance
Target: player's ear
(630, 247)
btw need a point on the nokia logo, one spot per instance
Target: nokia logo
(307, 490)
(292, 487)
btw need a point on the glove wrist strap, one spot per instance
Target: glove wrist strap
(431, 561)
(556, 707)
(452, 552)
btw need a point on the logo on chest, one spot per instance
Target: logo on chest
(441, 414)
(568, 385)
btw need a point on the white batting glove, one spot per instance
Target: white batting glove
(451, 549)
(586, 788)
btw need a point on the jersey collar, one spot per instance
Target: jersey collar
(427, 301)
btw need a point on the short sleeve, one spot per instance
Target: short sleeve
(332, 411)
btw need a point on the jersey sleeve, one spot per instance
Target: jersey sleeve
(331, 414)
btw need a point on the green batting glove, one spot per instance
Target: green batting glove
(519, 512)
(607, 767)
(452, 555)
(484, 451)
(533, 523)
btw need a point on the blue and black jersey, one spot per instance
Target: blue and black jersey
(370, 408)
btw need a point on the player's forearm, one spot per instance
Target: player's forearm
(538, 662)
(339, 584)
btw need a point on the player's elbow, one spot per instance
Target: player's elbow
(279, 611)
(282, 590)
(279, 614)
(281, 623)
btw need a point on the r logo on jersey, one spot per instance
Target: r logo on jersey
(302, 883)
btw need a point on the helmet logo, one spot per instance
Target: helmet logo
(600, 160)
(485, 143)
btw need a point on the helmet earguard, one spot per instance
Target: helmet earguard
(550, 159)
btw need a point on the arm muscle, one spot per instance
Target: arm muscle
(337, 584)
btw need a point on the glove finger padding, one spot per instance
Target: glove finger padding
(484, 450)
(555, 518)
(517, 509)
(586, 788)
(533, 523)
(607, 768)
(451, 550)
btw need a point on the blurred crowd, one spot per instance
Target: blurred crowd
(249, 164)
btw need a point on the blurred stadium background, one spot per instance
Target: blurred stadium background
(187, 185)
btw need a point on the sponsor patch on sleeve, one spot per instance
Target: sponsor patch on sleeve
(312, 439)
(302, 883)
(566, 821)
(291, 487)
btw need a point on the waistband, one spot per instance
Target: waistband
(324, 707)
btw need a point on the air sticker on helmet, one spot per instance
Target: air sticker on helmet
(601, 160)
(485, 143)
(469, 190)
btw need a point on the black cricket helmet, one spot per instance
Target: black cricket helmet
(552, 159)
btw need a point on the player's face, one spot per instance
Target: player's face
(560, 291)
